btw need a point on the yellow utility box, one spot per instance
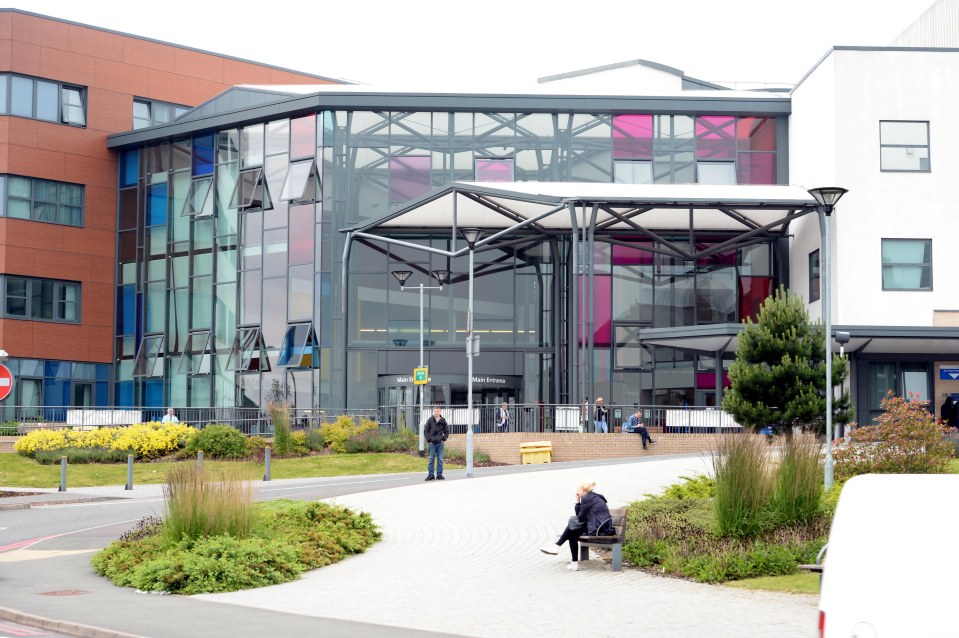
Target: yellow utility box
(536, 452)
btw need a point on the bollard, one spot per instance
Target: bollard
(63, 474)
(199, 460)
(129, 472)
(266, 457)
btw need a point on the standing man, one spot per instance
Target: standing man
(169, 417)
(502, 419)
(602, 417)
(635, 424)
(436, 433)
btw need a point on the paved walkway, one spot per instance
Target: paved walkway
(462, 557)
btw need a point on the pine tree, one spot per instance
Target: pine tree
(779, 376)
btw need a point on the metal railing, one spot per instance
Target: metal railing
(541, 417)
(19, 420)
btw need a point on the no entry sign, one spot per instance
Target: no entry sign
(6, 382)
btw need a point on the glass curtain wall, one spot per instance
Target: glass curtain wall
(228, 249)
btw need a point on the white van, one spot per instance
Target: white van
(892, 566)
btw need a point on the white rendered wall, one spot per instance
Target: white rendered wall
(866, 87)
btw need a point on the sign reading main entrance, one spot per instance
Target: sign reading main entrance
(421, 376)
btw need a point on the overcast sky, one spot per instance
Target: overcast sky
(496, 43)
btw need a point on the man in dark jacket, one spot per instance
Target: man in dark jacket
(436, 433)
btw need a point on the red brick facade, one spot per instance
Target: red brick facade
(113, 68)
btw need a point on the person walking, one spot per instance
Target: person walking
(169, 417)
(635, 425)
(601, 421)
(436, 433)
(503, 418)
(592, 518)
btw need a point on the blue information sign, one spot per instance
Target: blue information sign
(948, 374)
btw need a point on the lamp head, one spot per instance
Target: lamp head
(842, 337)
(471, 235)
(827, 196)
(402, 276)
(442, 276)
(4, 356)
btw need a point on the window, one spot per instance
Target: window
(299, 349)
(45, 100)
(196, 355)
(716, 172)
(199, 201)
(248, 353)
(628, 172)
(251, 192)
(907, 264)
(41, 200)
(628, 352)
(494, 170)
(302, 182)
(149, 359)
(814, 276)
(152, 112)
(904, 146)
(44, 299)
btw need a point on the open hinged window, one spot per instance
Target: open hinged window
(629, 353)
(251, 192)
(300, 348)
(302, 183)
(196, 355)
(248, 353)
(199, 199)
(149, 359)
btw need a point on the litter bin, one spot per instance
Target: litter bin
(536, 452)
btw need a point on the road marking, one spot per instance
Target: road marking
(33, 541)
(120, 502)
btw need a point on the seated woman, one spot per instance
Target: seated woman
(593, 514)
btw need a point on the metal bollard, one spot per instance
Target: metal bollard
(199, 460)
(63, 474)
(129, 472)
(266, 457)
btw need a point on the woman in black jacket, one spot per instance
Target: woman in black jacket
(593, 515)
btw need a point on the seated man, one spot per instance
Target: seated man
(635, 424)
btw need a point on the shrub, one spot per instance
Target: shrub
(146, 440)
(797, 489)
(292, 536)
(9, 428)
(255, 445)
(314, 440)
(453, 455)
(219, 442)
(382, 441)
(197, 506)
(81, 455)
(905, 439)
(298, 445)
(692, 487)
(336, 434)
(282, 427)
(742, 485)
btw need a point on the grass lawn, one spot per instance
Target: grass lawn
(954, 466)
(804, 583)
(20, 471)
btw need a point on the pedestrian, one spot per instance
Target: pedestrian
(503, 418)
(169, 417)
(601, 421)
(436, 432)
(592, 518)
(635, 425)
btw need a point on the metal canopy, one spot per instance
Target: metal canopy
(734, 215)
(863, 340)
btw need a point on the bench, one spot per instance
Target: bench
(615, 542)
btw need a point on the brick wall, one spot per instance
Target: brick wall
(573, 446)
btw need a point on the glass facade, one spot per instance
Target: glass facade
(230, 257)
(43, 388)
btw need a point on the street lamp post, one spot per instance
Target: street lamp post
(471, 235)
(826, 198)
(442, 276)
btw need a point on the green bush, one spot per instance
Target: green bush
(336, 434)
(255, 445)
(377, 441)
(906, 439)
(290, 537)
(798, 484)
(701, 486)
(454, 455)
(219, 442)
(740, 468)
(9, 428)
(81, 455)
(314, 440)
